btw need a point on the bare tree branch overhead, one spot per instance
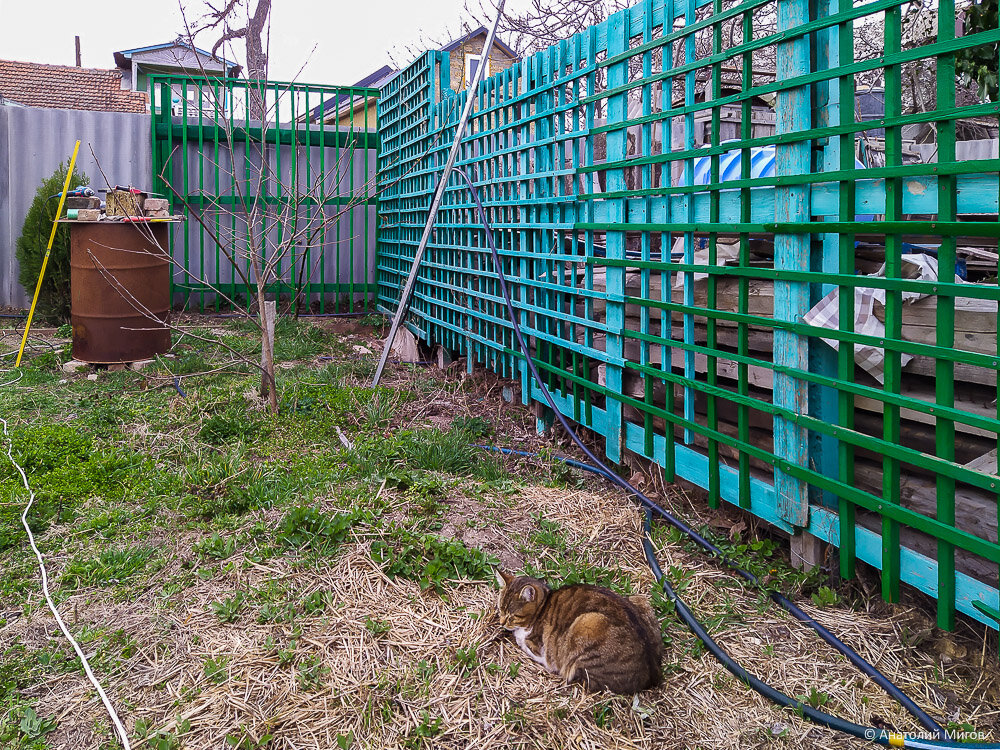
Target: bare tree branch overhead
(233, 21)
(546, 22)
(540, 25)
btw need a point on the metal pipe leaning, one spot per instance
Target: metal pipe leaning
(411, 280)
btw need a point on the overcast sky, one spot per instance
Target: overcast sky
(352, 37)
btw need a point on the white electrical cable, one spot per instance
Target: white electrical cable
(11, 382)
(119, 727)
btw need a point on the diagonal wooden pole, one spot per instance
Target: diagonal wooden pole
(411, 281)
(45, 260)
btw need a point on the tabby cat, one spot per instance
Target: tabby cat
(583, 633)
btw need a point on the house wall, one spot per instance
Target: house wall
(183, 60)
(499, 61)
(34, 141)
(357, 118)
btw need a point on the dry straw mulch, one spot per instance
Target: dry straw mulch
(383, 687)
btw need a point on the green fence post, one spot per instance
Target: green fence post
(892, 367)
(944, 369)
(846, 195)
(687, 211)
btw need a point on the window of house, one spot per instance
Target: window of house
(472, 62)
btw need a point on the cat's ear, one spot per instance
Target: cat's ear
(529, 594)
(503, 579)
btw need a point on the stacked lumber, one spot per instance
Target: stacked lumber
(975, 389)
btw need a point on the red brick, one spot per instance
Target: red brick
(65, 87)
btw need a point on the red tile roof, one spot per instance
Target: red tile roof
(65, 87)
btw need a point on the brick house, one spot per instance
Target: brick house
(124, 88)
(466, 54)
(66, 87)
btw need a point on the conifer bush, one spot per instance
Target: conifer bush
(53, 298)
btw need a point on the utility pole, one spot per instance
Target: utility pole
(79, 63)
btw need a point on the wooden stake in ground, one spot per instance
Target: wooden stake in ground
(269, 312)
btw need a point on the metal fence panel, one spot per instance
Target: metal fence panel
(308, 172)
(34, 141)
(724, 268)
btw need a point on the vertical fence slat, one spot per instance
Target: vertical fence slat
(791, 253)
(617, 150)
(944, 370)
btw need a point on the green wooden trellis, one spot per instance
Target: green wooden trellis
(318, 151)
(585, 156)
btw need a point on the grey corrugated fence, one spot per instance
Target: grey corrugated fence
(34, 141)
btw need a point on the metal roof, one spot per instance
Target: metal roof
(122, 57)
(343, 102)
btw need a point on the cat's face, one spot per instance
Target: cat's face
(521, 597)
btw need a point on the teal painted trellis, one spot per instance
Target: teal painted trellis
(667, 292)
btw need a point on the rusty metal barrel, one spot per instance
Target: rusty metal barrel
(119, 290)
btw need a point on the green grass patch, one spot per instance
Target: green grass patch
(428, 450)
(111, 567)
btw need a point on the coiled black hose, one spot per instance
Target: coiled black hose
(880, 736)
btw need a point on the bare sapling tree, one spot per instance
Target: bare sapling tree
(266, 233)
(234, 20)
(273, 218)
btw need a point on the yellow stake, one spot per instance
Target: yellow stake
(45, 260)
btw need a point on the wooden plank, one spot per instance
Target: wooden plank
(761, 303)
(923, 544)
(919, 437)
(761, 298)
(877, 407)
(986, 463)
(963, 373)
(975, 323)
(759, 377)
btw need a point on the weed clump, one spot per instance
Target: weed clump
(215, 547)
(110, 567)
(44, 447)
(431, 450)
(64, 471)
(232, 483)
(308, 527)
(430, 560)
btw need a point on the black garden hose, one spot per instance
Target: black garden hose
(880, 736)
